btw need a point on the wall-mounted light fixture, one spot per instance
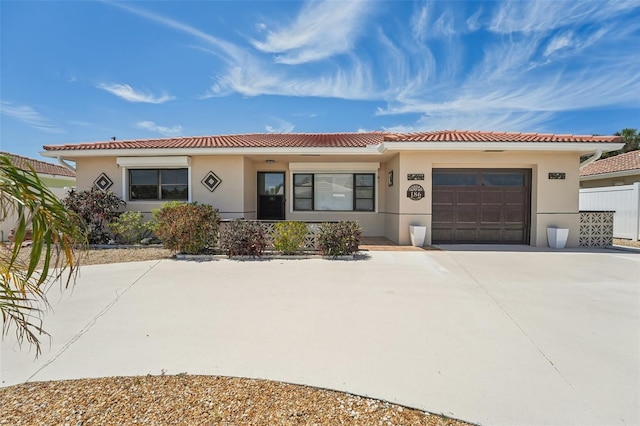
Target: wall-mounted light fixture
(270, 161)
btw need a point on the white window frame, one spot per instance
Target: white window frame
(173, 162)
(337, 168)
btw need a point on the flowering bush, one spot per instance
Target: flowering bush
(288, 237)
(340, 238)
(243, 238)
(189, 228)
(97, 208)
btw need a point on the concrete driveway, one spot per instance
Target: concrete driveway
(491, 337)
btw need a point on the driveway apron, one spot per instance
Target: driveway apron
(515, 337)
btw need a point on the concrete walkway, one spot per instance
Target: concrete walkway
(492, 337)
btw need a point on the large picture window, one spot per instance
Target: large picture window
(159, 184)
(334, 192)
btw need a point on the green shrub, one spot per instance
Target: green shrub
(189, 228)
(338, 239)
(97, 208)
(129, 228)
(243, 238)
(288, 237)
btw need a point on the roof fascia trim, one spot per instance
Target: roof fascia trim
(151, 152)
(585, 147)
(608, 175)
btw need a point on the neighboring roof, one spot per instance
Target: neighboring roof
(39, 166)
(328, 140)
(619, 163)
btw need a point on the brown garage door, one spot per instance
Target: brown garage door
(481, 206)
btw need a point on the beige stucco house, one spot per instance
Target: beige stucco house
(465, 187)
(57, 178)
(622, 169)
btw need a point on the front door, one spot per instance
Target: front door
(271, 195)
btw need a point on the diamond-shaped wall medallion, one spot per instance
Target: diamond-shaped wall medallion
(103, 182)
(211, 181)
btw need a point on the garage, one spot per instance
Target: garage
(488, 206)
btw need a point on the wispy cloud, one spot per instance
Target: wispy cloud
(521, 82)
(129, 94)
(537, 16)
(30, 116)
(163, 130)
(322, 29)
(534, 60)
(281, 126)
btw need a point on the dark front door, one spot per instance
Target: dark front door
(481, 206)
(271, 195)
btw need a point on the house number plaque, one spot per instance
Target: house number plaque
(415, 192)
(556, 175)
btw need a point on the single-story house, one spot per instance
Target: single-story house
(613, 184)
(622, 169)
(465, 187)
(57, 178)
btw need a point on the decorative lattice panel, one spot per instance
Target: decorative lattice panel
(268, 227)
(596, 229)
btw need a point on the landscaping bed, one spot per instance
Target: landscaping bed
(197, 400)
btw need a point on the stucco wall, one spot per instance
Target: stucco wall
(228, 196)
(622, 180)
(58, 186)
(553, 202)
(392, 193)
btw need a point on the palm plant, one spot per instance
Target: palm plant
(56, 232)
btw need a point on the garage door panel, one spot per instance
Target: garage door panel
(443, 216)
(466, 197)
(494, 210)
(442, 234)
(491, 235)
(466, 217)
(443, 198)
(465, 234)
(490, 217)
(513, 217)
(513, 235)
(515, 197)
(492, 197)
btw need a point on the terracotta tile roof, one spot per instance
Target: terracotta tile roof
(325, 140)
(38, 166)
(474, 136)
(266, 140)
(619, 163)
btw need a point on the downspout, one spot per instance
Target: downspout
(66, 165)
(591, 159)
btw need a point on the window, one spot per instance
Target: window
(334, 192)
(159, 184)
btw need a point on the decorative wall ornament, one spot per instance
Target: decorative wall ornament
(390, 178)
(211, 181)
(415, 176)
(596, 229)
(103, 182)
(415, 192)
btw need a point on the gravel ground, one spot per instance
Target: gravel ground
(626, 243)
(196, 400)
(192, 400)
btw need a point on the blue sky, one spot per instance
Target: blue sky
(87, 71)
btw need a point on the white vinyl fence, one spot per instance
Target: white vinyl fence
(624, 200)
